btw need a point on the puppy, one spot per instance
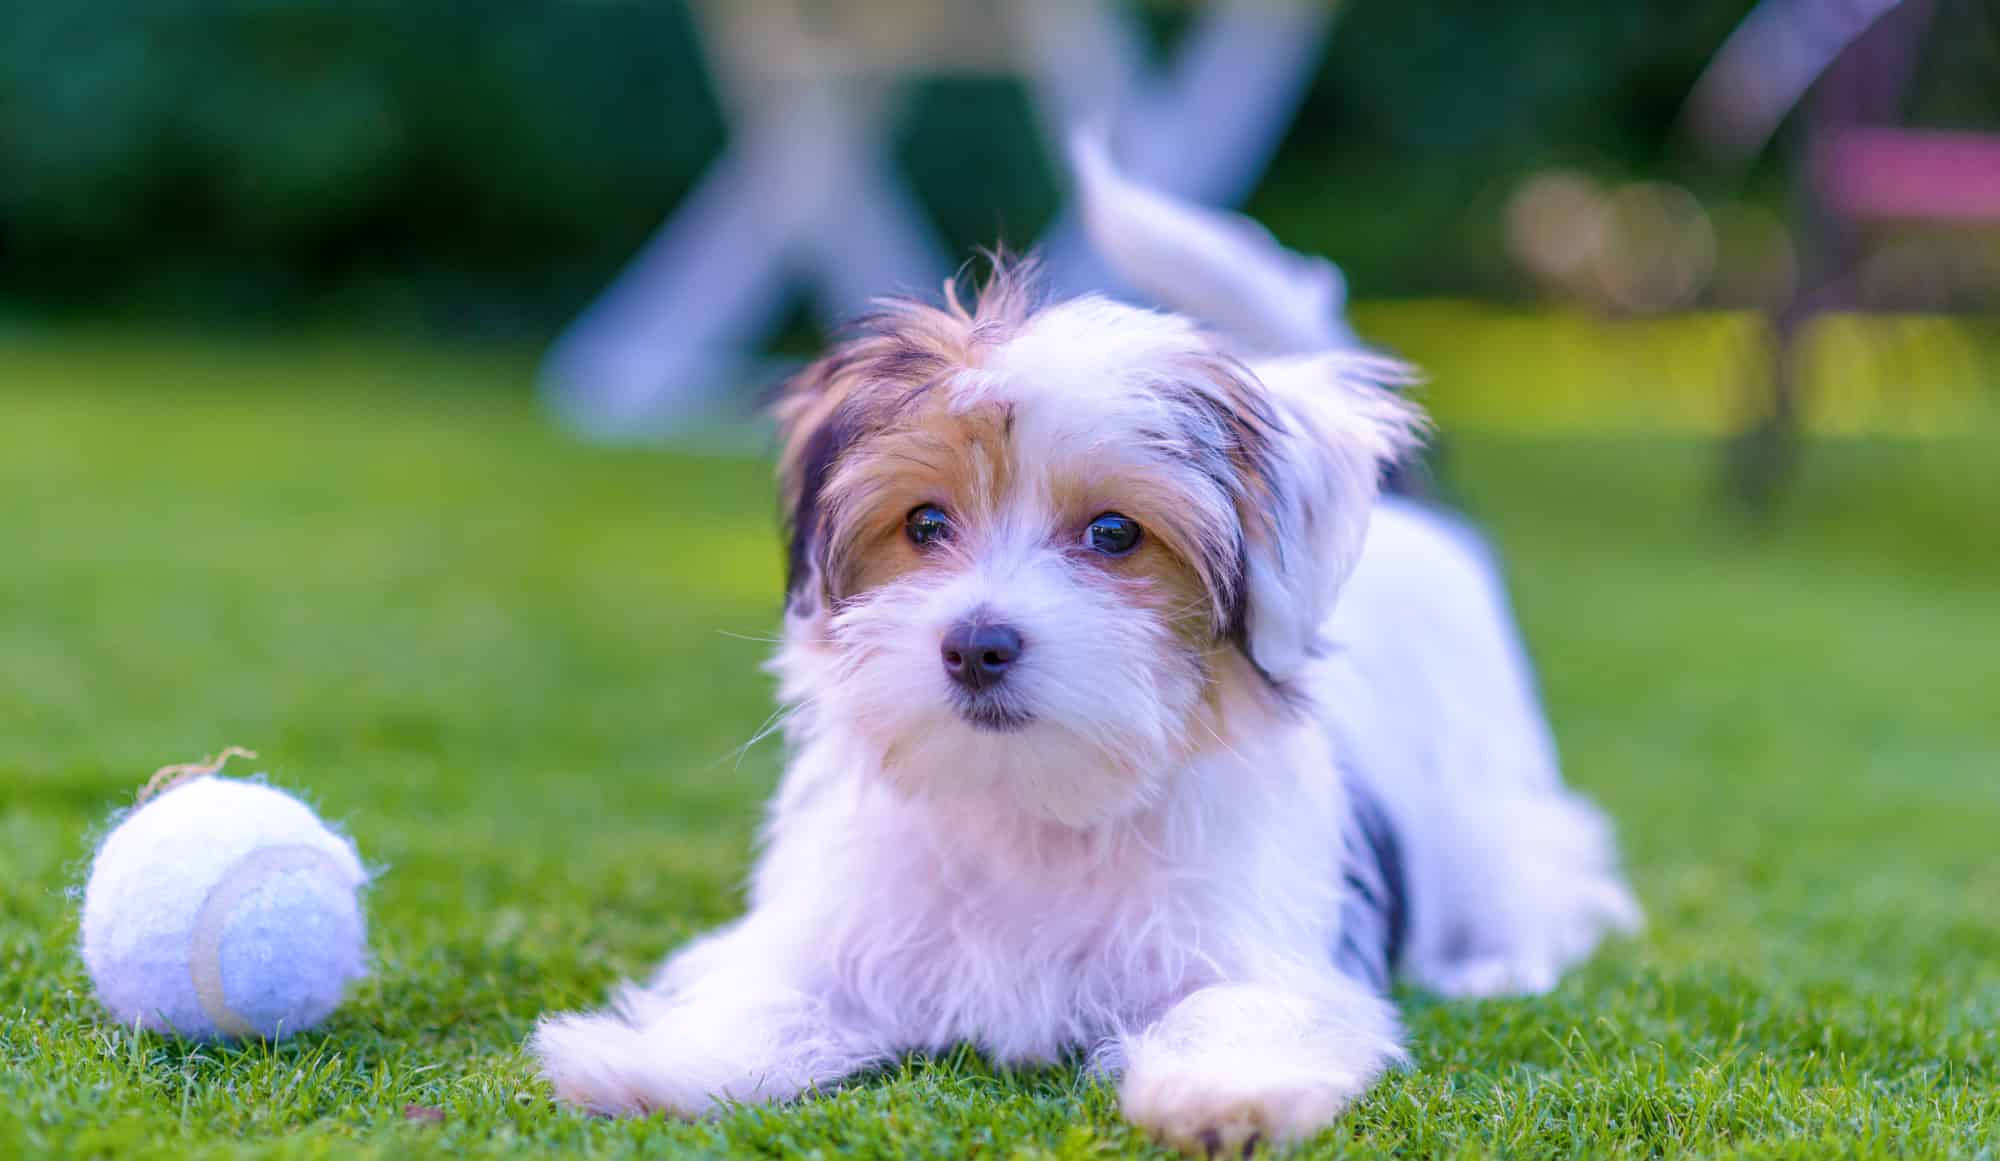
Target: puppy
(1085, 756)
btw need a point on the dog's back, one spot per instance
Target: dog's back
(1426, 688)
(1432, 704)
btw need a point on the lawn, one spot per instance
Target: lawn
(519, 669)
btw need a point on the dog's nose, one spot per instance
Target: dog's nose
(977, 656)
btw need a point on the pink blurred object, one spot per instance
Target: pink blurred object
(1874, 173)
(1845, 68)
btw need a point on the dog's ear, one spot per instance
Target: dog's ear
(815, 428)
(859, 387)
(1338, 423)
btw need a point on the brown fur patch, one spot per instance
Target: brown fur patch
(958, 461)
(1179, 549)
(1160, 580)
(873, 382)
(1238, 703)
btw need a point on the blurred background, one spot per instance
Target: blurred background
(1648, 224)
(1751, 240)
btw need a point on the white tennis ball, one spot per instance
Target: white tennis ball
(223, 909)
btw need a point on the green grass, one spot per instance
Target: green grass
(516, 669)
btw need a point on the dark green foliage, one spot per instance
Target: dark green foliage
(483, 166)
(439, 159)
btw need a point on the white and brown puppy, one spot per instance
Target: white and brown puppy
(1086, 756)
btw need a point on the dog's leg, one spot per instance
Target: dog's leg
(1234, 1065)
(1522, 884)
(740, 1028)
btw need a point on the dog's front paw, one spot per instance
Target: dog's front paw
(714, 1043)
(1223, 1111)
(1232, 1067)
(604, 1065)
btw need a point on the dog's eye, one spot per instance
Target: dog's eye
(926, 524)
(1112, 534)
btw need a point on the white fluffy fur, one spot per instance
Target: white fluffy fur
(1126, 877)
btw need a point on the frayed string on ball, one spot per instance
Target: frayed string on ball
(168, 777)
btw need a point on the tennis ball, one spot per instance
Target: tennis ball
(223, 909)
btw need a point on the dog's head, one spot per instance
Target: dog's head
(1042, 551)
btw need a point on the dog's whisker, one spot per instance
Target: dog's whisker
(1224, 744)
(771, 725)
(734, 636)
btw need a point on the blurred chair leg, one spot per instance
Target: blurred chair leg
(806, 194)
(1763, 456)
